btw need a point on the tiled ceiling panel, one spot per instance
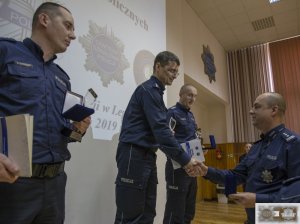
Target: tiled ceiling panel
(231, 21)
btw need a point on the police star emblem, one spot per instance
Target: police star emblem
(289, 214)
(209, 64)
(105, 54)
(267, 176)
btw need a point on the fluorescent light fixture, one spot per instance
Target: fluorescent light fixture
(273, 1)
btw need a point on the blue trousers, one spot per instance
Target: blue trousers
(33, 201)
(181, 196)
(136, 185)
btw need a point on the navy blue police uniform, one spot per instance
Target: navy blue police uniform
(30, 85)
(290, 191)
(144, 129)
(181, 188)
(271, 160)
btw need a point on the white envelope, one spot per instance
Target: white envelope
(194, 149)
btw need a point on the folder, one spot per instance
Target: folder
(74, 109)
(16, 139)
(194, 149)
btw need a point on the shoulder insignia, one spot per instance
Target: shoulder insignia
(172, 108)
(288, 136)
(8, 39)
(63, 71)
(156, 85)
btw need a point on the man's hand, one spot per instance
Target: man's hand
(247, 199)
(192, 168)
(83, 125)
(196, 168)
(9, 171)
(202, 169)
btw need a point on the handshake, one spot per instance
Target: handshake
(195, 168)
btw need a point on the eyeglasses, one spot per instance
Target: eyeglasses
(174, 72)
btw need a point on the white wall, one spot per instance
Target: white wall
(186, 34)
(195, 35)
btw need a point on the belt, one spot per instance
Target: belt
(47, 170)
(154, 150)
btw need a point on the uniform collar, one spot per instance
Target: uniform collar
(272, 133)
(35, 49)
(180, 106)
(158, 83)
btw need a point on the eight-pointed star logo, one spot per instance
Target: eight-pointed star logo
(104, 54)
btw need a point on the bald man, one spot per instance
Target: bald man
(181, 188)
(271, 161)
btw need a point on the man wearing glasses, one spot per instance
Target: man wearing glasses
(144, 130)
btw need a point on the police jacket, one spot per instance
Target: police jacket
(290, 191)
(270, 161)
(185, 128)
(30, 85)
(145, 122)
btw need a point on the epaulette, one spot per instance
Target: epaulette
(172, 108)
(156, 85)
(63, 71)
(288, 136)
(8, 39)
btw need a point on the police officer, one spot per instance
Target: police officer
(30, 82)
(181, 188)
(271, 160)
(144, 129)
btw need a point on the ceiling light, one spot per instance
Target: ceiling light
(273, 1)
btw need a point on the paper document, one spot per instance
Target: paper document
(16, 136)
(71, 99)
(194, 149)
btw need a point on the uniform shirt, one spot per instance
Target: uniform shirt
(30, 85)
(270, 161)
(185, 128)
(289, 192)
(145, 121)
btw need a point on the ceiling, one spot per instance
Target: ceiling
(231, 21)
